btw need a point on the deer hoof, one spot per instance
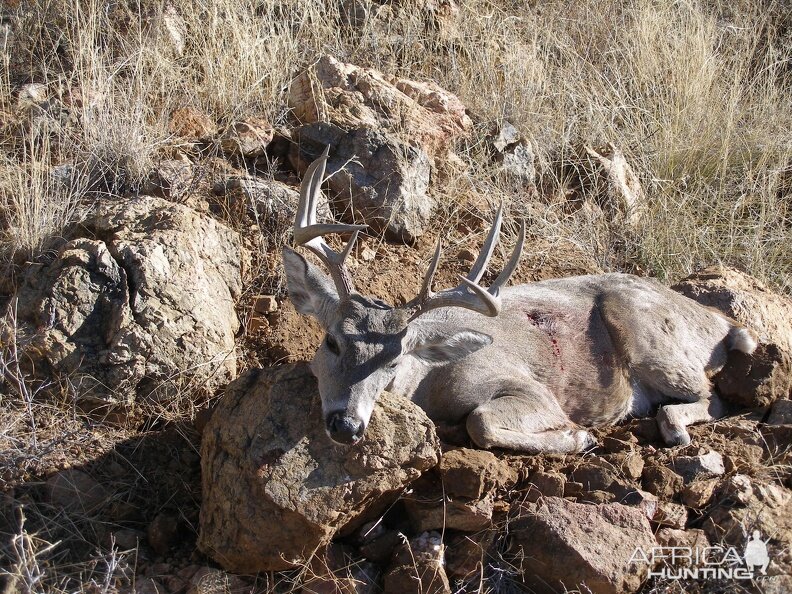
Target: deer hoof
(673, 432)
(585, 440)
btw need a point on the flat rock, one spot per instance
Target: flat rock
(471, 473)
(698, 494)
(546, 484)
(276, 489)
(661, 481)
(700, 466)
(565, 545)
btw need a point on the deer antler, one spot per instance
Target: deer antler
(309, 234)
(469, 294)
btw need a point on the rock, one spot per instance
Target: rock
(670, 514)
(265, 456)
(546, 484)
(209, 579)
(472, 473)
(167, 29)
(351, 97)
(454, 514)
(142, 312)
(265, 304)
(174, 178)
(76, 492)
(191, 124)
(702, 465)
(630, 465)
(271, 204)
(247, 138)
(781, 413)
(419, 567)
(767, 512)
(737, 488)
(622, 442)
(625, 196)
(596, 496)
(643, 501)
(766, 375)
(673, 537)
(466, 554)
(514, 155)
(595, 476)
(162, 532)
(698, 494)
(373, 175)
(564, 545)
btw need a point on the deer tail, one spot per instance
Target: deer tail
(742, 339)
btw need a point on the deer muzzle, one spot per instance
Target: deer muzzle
(344, 429)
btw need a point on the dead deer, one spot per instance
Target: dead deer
(526, 367)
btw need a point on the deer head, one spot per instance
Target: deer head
(367, 341)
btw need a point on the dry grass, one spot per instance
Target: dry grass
(697, 94)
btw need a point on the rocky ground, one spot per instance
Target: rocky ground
(160, 431)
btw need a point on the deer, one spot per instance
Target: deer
(530, 368)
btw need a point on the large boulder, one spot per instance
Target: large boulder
(564, 545)
(276, 489)
(764, 376)
(373, 177)
(139, 311)
(352, 97)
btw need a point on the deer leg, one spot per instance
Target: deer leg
(527, 424)
(674, 418)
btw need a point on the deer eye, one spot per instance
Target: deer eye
(332, 344)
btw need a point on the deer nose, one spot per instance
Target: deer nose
(343, 428)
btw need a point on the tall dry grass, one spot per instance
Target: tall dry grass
(697, 95)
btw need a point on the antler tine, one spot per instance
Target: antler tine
(426, 286)
(469, 294)
(480, 265)
(308, 233)
(511, 265)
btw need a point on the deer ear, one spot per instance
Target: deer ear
(445, 347)
(311, 291)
